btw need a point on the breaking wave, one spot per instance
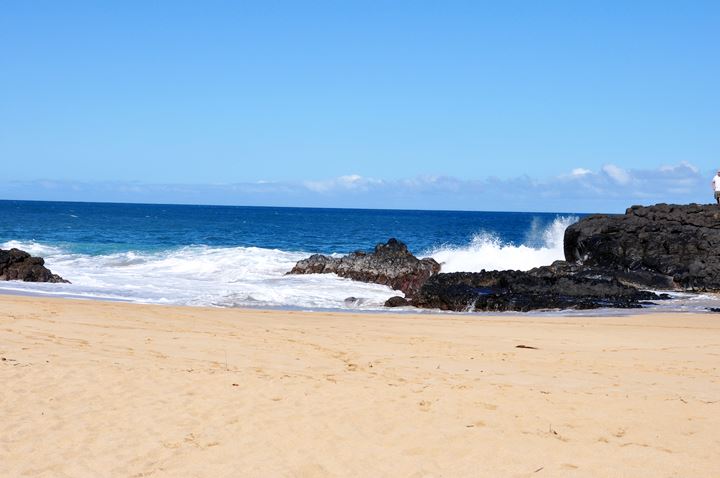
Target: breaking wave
(255, 277)
(487, 251)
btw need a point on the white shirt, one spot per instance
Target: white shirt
(716, 183)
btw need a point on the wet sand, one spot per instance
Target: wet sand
(110, 389)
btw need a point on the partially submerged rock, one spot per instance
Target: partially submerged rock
(19, 265)
(397, 301)
(389, 264)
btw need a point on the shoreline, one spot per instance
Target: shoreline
(121, 389)
(565, 313)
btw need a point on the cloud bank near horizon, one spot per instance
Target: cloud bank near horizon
(609, 189)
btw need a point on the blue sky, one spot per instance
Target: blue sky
(515, 105)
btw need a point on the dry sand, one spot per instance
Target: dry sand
(107, 389)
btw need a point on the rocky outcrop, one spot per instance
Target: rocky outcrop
(661, 246)
(19, 265)
(609, 258)
(389, 264)
(524, 291)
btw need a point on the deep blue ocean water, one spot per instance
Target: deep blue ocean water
(238, 256)
(101, 228)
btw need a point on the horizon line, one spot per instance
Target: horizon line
(297, 207)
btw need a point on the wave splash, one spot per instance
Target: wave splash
(542, 246)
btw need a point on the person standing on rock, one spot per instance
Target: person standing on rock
(716, 187)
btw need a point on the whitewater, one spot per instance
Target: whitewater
(201, 275)
(488, 251)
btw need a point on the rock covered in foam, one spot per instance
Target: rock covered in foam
(389, 264)
(19, 265)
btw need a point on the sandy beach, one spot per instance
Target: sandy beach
(111, 389)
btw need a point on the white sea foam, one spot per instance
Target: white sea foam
(197, 275)
(486, 251)
(251, 276)
(32, 247)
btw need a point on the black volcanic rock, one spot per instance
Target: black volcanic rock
(397, 301)
(671, 246)
(389, 264)
(525, 291)
(19, 265)
(643, 279)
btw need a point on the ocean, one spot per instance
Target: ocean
(227, 256)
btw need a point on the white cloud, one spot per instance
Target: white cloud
(317, 186)
(616, 173)
(575, 191)
(611, 188)
(682, 165)
(580, 172)
(350, 182)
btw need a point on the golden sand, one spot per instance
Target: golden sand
(107, 389)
